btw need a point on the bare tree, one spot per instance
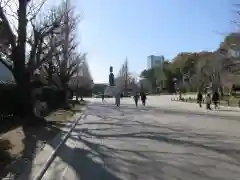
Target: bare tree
(68, 60)
(13, 51)
(210, 70)
(124, 78)
(82, 81)
(201, 76)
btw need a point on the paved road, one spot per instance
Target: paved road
(129, 143)
(165, 140)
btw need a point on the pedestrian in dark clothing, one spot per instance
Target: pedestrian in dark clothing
(215, 99)
(102, 97)
(143, 98)
(199, 99)
(136, 98)
(208, 101)
(118, 99)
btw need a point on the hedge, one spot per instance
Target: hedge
(9, 98)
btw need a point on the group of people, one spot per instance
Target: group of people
(208, 100)
(143, 98)
(135, 97)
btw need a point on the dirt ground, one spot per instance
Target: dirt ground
(20, 143)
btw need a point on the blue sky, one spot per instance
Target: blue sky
(113, 29)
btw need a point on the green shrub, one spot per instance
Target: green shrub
(52, 96)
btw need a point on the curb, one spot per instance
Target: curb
(51, 158)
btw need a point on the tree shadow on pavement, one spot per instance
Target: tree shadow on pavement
(82, 164)
(5, 156)
(179, 152)
(87, 169)
(117, 146)
(131, 109)
(143, 164)
(33, 134)
(32, 139)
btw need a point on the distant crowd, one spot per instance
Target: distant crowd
(136, 97)
(209, 99)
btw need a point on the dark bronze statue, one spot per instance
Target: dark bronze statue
(111, 77)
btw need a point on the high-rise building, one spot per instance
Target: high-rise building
(154, 60)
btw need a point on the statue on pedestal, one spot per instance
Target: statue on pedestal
(111, 77)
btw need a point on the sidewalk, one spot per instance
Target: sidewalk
(34, 167)
(222, 107)
(70, 160)
(165, 103)
(125, 143)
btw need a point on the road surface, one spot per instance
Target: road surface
(149, 143)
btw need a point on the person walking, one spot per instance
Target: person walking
(199, 98)
(143, 98)
(136, 97)
(102, 97)
(117, 99)
(215, 99)
(208, 101)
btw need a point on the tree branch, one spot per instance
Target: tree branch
(34, 9)
(8, 31)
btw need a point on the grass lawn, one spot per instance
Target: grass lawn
(60, 115)
(20, 143)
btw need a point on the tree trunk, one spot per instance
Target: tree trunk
(24, 94)
(26, 103)
(65, 98)
(18, 56)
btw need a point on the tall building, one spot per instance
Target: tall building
(154, 60)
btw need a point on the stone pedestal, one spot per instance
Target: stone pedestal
(111, 91)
